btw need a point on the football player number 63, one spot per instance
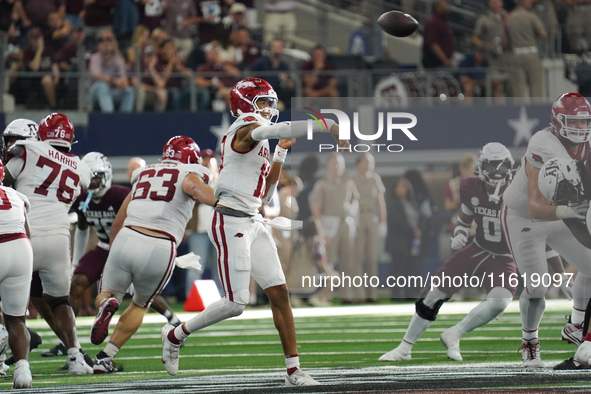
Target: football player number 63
(145, 189)
(492, 229)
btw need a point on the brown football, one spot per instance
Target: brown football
(397, 24)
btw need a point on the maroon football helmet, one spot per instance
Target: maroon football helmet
(244, 96)
(182, 149)
(572, 107)
(57, 130)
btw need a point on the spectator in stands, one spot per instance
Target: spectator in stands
(57, 31)
(236, 19)
(176, 75)
(280, 20)
(38, 57)
(74, 13)
(107, 68)
(489, 35)
(150, 12)
(251, 51)
(219, 85)
(282, 83)
(177, 20)
(151, 91)
(125, 19)
(139, 40)
(67, 60)
(98, 15)
(523, 30)
(196, 58)
(36, 11)
(318, 79)
(438, 43)
(577, 26)
(224, 43)
(209, 18)
(157, 38)
(403, 229)
(473, 81)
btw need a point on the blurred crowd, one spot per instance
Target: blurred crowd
(144, 54)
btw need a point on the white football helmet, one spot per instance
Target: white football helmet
(560, 182)
(19, 129)
(101, 168)
(495, 164)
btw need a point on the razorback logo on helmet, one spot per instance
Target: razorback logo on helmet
(245, 84)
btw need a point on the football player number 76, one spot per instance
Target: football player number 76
(65, 192)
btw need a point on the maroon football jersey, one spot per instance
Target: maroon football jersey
(101, 213)
(489, 235)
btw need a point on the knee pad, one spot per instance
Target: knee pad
(59, 302)
(499, 298)
(429, 313)
(232, 309)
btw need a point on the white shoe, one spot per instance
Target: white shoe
(451, 340)
(22, 377)
(396, 354)
(170, 351)
(77, 365)
(300, 378)
(530, 354)
(572, 333)
(583, 354)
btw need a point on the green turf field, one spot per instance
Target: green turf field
(252, 345)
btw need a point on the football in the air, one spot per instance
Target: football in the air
(397, 24)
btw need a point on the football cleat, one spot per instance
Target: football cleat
(572, 333)
(396, 354)
(530, 354)
(300, 378)
(170, 351)
(22, 377)
(77, 365)
(100, 328)
(57, 350)
(104, 365)
(451, 340)
(86, 358)
(568, 365)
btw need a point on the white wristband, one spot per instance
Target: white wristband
(279, 155)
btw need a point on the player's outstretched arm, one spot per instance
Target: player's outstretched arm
(120, 218)
(194, 186)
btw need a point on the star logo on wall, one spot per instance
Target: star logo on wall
(523, 126)
(220, 130)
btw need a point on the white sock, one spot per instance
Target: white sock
(292, 362)
(73, 351)
(577, 316)
(415, 329)
(530, 336)
(111, 349)
(532, 310)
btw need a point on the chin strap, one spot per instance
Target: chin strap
(495, 196)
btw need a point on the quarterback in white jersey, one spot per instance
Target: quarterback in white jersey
(51, 178)
(530, 222)
(244, 247)
(16, 268)
(144, 237)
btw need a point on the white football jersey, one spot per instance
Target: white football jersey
(543, 146)
(243, 176)
(51, 180)
(158, 201)
(12, 211)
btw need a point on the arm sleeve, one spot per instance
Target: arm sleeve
(285, 130)
(15, 166)
(80, 241)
